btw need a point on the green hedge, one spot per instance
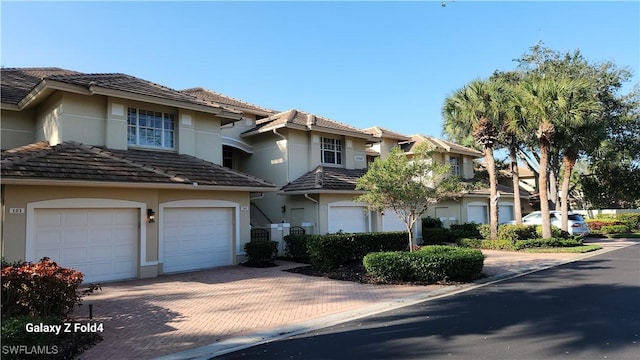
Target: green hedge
(486, 244)
(466, 230)
(615, 229)
(327, 252)
(261, 253)
(632, 220)
(556, 232)
(296, 248)
(430, 264)
(516, 232)
(485, 231)
(547, 243)
(597, 224)
(435, 236)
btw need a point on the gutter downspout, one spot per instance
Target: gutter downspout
(257, 197)
(287, 151)
(317, 211)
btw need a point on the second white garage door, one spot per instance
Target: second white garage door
(349, 219)
(197, 238)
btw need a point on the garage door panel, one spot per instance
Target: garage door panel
(100, 243)
(197, 238)
(349, 219)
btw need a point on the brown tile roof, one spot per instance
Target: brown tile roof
(325, 178)
(381, 132)
(439, 145)
(303, 120)
(483, 189)
(78, 162)
(217, 98)
(18, 82)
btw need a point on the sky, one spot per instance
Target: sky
(390, 64)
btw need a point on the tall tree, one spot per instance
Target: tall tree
(407, 184)
(554, 105)
(473, 108)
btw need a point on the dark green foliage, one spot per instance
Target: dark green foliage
(615, 229)
(261, 253)
(517, 232)
(327, 252)
(430, 264)
(296, 248)
(547, 243)
(632, 220)
(429, 222)
(435, 236)
(41, 289)
(486, 244)
(466, 230)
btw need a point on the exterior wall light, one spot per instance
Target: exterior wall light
(151, 216)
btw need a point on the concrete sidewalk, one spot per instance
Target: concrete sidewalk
(201, 314)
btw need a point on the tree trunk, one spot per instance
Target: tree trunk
(515, 173)
(553, 189)
(569, 161)
(542, 186)
(493, 198)
(409, 225)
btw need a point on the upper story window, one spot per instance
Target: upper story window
(150, 128)
(331, 151)
(227, 157)
(455, 165)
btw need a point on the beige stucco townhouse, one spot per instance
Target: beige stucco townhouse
(117, 176)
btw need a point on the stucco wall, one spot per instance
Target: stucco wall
(17, 128)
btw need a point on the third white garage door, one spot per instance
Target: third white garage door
(197, 238)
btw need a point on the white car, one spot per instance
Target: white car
(576, 226)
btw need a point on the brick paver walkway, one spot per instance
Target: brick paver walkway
(168, 314)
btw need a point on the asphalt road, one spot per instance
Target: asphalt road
(588, 309)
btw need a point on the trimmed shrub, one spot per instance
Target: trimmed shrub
(615, 229)
(556, 232)
(485, 231)
(632, 220)
(466, 230)
(41, 289)
(296, 248)
(429, 222)
(430, 264)
(435, 236)
(327, 252)
(597, 224)
(547, 243)
(516, 232)
(261, 253)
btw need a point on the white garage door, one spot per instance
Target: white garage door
(349, 219)
(505, 213)
(477, 214)
(100, 243)
(391, 221)
(197, 238)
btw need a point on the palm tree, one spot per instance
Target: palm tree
(473, 109)
(551, 105)
(579, 130)
(514, 128)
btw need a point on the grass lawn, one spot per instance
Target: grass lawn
(574, 249)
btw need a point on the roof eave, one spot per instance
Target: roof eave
(131, 185)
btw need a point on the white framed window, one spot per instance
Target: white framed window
(455, 165)
(331, 151)
(149, 128)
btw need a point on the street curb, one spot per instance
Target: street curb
(246, 341)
